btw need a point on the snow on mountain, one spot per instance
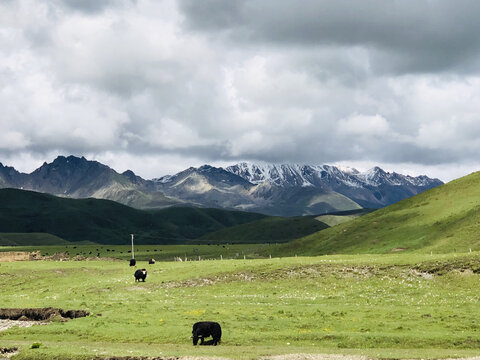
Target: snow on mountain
(308, 175)
(286, 189)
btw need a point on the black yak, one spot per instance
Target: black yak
(151, 261)
(140, 274)
(204, 329)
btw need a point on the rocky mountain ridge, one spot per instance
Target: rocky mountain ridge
(286, 190)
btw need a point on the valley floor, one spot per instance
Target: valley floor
(377, 306)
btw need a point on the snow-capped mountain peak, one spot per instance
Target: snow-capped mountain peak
(325, 176)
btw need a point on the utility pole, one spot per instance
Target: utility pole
(133, 254)
(133, 262)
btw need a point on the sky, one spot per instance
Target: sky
(157, 86)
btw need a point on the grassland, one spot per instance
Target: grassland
(268, 230)
(157, 252)
(441, 220)
(387, 306)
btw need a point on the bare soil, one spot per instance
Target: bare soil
(41, 314)
(6, 353)
(6, 324)
(314, 357)
(161, 358)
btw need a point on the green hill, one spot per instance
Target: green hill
(443, 219)
(108, 222)
(268, 230)
(39, 239)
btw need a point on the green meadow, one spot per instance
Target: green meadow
(157, 252)
(383, 306)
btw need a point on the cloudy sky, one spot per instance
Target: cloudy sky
(158, 86)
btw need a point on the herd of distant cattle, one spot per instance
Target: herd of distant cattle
(201, 329)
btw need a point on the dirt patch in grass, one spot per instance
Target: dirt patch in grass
(397, 249)
(470, 264)
(160, 358)
(41, 314)
(5, 350)
(314, 357)
(6, 353)
(7, 324)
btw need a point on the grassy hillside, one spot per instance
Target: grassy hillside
(268, 230)
(443, 219)
(108, 222)
(341, 217)
(394, 306)
(40, 239)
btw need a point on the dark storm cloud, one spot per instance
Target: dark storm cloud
(403, 36)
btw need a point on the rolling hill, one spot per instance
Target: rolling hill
(31, 218)
(444, 219)
(108, 222)
(268, 230)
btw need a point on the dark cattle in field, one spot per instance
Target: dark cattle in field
(204, 329)
(140, 274)
(133, 262)
(151, 261)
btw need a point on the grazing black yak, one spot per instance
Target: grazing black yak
(140, 274)
(151, 261)
(204, 329)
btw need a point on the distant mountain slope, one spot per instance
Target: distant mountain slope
(208, 186)
(81, 178)
(372, 189)
(280, 190)
(267, 230)
(443, 219)
(216, 187)
(108, 222)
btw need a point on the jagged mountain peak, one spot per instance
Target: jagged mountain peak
(314, 175)
(211, 174)
(277, 189)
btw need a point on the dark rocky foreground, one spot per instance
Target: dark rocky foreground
(41, 314)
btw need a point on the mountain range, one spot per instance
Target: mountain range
(284, 190)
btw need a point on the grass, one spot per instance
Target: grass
(268, 230)
(389, 306)
(441, 220)
(332, 220)
(108, 222)
(40, 239)
(157, 252)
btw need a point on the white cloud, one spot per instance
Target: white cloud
(364, 125)
(127, 80)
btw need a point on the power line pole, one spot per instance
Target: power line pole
(133, 262)
(133, 254)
